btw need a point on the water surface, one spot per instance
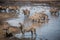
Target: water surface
(50, 30)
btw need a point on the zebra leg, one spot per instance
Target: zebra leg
(23, 34)
(38, 21)
(4, 10)
(32, 34)
(51, 13)
(35, 32)
(58, 13)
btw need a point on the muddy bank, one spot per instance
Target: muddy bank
(4, 16)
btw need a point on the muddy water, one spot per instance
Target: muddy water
(50, 30)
